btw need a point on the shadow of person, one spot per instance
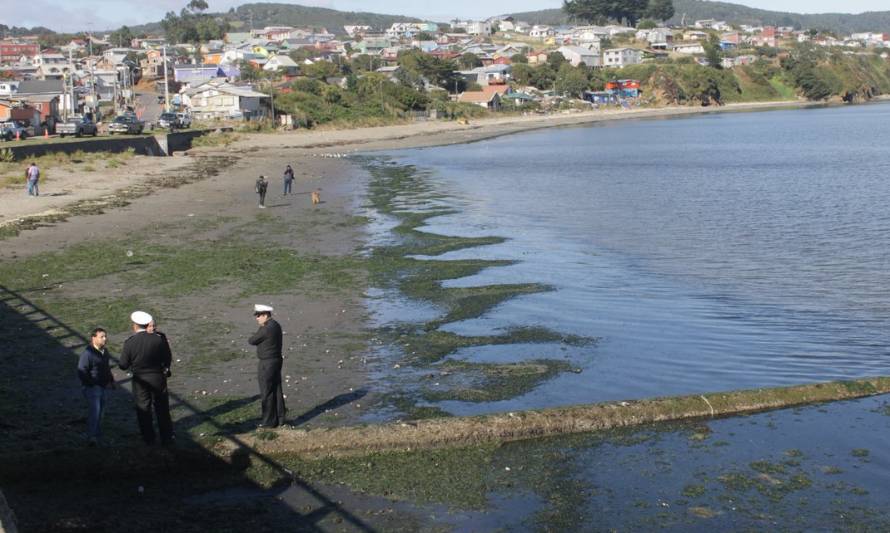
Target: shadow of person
(217, 412)
(333, 403)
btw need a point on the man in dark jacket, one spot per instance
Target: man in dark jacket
(261, 186)
(148, 357)
(268, 342)
(94, 371)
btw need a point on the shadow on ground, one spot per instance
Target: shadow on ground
(55, 483)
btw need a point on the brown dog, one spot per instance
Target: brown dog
(316, 198)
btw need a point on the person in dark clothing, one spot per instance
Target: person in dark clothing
(147, 356)
(261, 186)
(152, 327)
(268, 342)
(94, 371)
(288, 180)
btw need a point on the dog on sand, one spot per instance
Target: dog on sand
(316, 198)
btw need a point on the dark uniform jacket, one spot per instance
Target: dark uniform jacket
(145, 353)
(93, 368)
(268, 340)
(261, 186)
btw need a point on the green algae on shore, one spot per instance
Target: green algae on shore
(409, 264)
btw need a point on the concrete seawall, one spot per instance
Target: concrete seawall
(155, 145)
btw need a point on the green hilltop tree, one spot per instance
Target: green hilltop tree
(660, 9)
(600, 11)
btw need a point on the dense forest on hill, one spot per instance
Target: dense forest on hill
(693, 10)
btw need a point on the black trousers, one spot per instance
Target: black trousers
(150, 391)
(269, 378)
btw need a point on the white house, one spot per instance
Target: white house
(621, 57)
(589, 34)
(540, 31)
(219, 100)
(281, 62)
(577, 55)
(689, 48)
(478, 28)
(658, 38)
(8, 88)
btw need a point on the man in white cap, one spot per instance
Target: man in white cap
(268, 342)
(148, 357)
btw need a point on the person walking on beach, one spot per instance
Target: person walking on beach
(261, 186)
(288, 180)
(268, 342)
(32, 175)
(148, 357)
(94, 371)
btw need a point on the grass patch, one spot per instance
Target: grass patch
(454, 476)
(215, 139)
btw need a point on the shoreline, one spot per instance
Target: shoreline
(80, 187)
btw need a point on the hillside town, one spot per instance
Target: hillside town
(238, 76)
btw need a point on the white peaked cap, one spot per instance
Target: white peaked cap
(140, 318)
(259, 308)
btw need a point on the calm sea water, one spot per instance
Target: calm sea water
(708, 253)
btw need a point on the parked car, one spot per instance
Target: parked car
(6, 132)
(168, 120)
(76, 126)
(185, 120)
(11, 128)
(126, 124)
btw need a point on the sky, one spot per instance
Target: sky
(68, 16)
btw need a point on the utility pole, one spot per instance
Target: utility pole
(95, 102)
(166, 83)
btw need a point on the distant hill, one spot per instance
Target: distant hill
(737, 14)
(271, 14)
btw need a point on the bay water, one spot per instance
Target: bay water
(705, 254)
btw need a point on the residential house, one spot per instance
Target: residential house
(8, 87)
(522, 27)
(425, 46)
(16, 110)
(51, 66)
(619, 30)
(75, 46)
(50, 94)
(47, 106)
(220, 100)
(657, 38)
(488, 97)
(281, 63)
(509, 51)
(622, 57)
(540, 31)
(589, 34)
(693, 35)
(237, 38)
(373, 45)
(689, 48)
(391, 72)
(711, 24)
(273, 33)
(478, 28)
(577, 55)
(730, 62)
(11, 51)
(537, 57)
(153, 65)
(353, 31)
(493, 74)
(187, 73)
